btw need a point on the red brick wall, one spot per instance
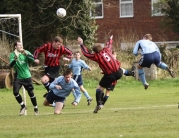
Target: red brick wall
(140, 24)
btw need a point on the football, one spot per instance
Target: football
(61, 12)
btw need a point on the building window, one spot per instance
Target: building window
(97, 11)
(126, 8)
(157, 6)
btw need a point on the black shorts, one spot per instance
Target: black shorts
(78, 79)
(52, 72)
(51, 97)
(111, 87)
(27, 83)
(108, 79)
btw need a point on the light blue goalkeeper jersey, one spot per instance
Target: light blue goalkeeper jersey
(66, 88)
(77, 66)
(145, 47)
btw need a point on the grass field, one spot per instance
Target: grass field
(130, 112)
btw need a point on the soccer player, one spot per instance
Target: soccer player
(111, 88)
(150, 55)
(19, 61)
(53, 52)
(60, 88)
(112, 71)
(77, 65)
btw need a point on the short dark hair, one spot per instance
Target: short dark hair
(58, 39)
(77, 52)
(67, 72)
(15, 43)
(97, 48)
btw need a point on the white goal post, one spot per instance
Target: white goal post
(18, 16)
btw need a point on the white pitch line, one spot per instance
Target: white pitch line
(112, 109)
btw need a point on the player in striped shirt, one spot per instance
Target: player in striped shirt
(112, 71)
(53, 52)
(125, 72)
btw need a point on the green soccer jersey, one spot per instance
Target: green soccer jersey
(21, 67)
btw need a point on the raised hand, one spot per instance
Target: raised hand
(80, 40)
(24, 52)
(111, 37)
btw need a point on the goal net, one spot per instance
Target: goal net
(10, 31)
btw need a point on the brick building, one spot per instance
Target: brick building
(130, 17)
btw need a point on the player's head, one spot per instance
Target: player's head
(147, 37)
(18, 45)
(57, 42)
(77, 55)
(97, 48)
(67, 75)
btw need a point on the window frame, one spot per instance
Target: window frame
(152, 9)
(122, 2)
(99, 3)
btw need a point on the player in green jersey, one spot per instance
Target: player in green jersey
(19, 61)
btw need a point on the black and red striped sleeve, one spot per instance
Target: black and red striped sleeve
(68, 52)
(39, 50)
(87, 54)
(109, 44)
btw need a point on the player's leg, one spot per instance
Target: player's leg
(142, 76)
(99, 97)
(16, 87)
(46, 103)
(145, 61)
(54, 104)
(162, 65)
(106, 96)
(99, 94)
(50, 98)
(59, 101)
(108, 90)
(58, 107)
(79, 80)
(75, 77)
(29, 87)
(129, 72)
(89, 99)
(104, 83)
(50, 74)
(45, 81)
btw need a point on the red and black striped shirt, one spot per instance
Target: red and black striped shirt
(52, 56)
(104, 58)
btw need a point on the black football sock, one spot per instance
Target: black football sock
(105, 99)
(46, 85)
(98, 96)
